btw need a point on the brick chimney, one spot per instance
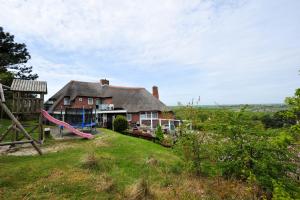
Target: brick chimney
(155, 92)
(104, 82)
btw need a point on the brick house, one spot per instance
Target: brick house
(104, 102)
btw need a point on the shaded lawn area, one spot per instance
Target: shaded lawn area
(4, 124)
(122, 160)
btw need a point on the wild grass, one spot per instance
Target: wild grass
(112, 166)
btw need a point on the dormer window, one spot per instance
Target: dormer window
(80, 99)
(67, 101)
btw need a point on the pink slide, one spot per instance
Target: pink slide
(66, 125)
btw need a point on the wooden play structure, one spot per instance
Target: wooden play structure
(27, 101)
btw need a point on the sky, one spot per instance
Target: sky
(225, 51)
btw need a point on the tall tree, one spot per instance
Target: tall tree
(13, 59)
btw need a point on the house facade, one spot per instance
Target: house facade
(101, 102)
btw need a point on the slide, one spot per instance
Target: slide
(66, 125)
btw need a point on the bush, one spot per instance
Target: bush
(159, 134)
(278, 120)
(120, 124)
(249, 150)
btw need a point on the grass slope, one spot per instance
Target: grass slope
(112, 166)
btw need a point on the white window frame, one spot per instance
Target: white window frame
(129, 117)
(156, 113)
(148, 115)
(90, 101)
(67, 101)
(80, 99)
(143, 115)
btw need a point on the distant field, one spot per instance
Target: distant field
(250, 107)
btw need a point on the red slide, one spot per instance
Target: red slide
(66, 125)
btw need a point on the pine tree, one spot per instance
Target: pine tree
(13, 59)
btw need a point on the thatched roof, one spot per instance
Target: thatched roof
(128, 98)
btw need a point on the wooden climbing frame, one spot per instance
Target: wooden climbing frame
(27, 99)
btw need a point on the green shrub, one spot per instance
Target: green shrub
(159, 134)
(279, 192)
(248, 150)
(120, 124)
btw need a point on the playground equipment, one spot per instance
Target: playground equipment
(27, 100)
(66, 125)
(80, 117)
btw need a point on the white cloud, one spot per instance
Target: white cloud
(229, 46)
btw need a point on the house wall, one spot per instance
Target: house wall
(107, 101)
(79, 104)
(135, 117)
(164, 115)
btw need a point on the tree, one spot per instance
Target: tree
(13, 59)
(294, 110)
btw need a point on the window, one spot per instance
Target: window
(129, 117)
(147, 115)
(67, 101)
(143, 116)
(80, 99)
(154, 115)
(98, 101)
(90, 101)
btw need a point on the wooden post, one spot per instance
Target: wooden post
(41, 128)
(61, 118)
(2, 93)
(151, 120)
(18, 102)
(19, 125)
(6, 132)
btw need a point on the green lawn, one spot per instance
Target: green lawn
(111, 166)
(4, 124)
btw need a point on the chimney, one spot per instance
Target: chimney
(155, 92)
(104, 82)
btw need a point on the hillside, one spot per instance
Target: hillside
(112, 166)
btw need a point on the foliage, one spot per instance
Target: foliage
(120, 123)
(294, 111)
(195, 148)
(251, 150)
(13, 59)
(278, 120)
(159, 133)
(244, 149)
(279, 193)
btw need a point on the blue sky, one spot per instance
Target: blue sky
(226, 51)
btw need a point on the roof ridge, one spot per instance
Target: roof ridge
(82, 81)
(125, 87)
